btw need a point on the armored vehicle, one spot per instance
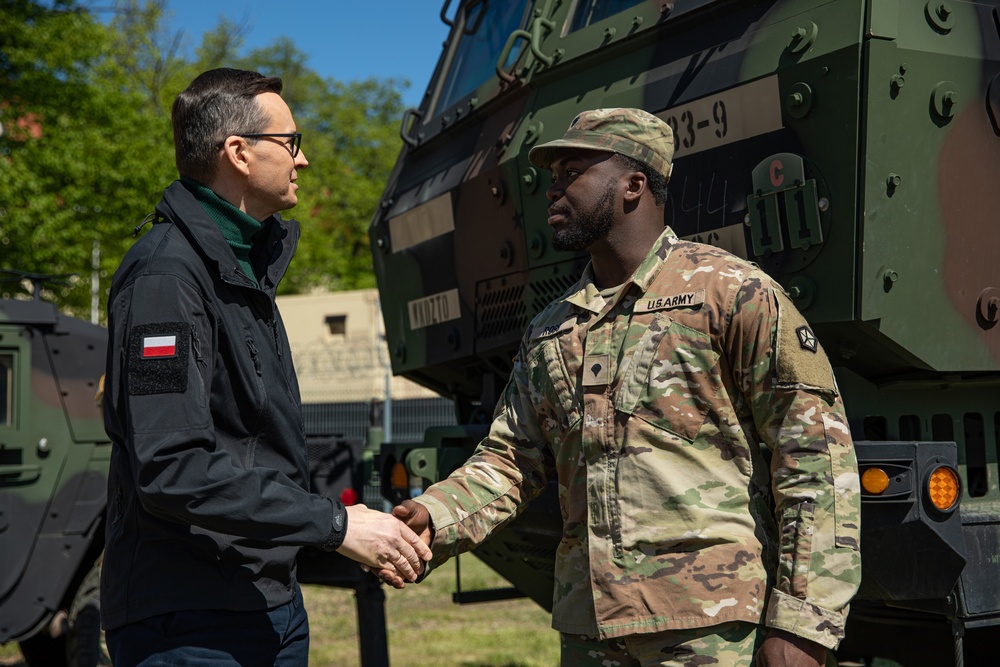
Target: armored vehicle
(53, 481)
(851, 148)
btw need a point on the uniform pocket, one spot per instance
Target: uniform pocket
(795, 549)
(553, 391)
(846, 493)
(672, 374)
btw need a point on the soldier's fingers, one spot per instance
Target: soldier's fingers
(418, 545)
(404, 566)
(413, 559)
(393, 580)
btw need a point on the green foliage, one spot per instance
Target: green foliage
(87, 149)
(82, 155)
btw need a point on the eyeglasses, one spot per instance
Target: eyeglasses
(296, 138)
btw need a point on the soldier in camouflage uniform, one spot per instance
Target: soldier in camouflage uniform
(706, 475)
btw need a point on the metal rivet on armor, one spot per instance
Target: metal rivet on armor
(802, 38)
(944, 99)
(940, 15)
(800, 100)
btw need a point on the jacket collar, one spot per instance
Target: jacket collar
(274, 245)
(586, 295)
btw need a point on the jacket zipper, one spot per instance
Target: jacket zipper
(196, 345)
(258, 424)
(254, 355)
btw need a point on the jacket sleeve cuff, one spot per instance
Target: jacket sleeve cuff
(338, 527)
(444, 530)
(806, 620)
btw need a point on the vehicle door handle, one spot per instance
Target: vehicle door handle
(19, 475)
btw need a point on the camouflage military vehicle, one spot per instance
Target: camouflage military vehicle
(53, 481)
(851, 148)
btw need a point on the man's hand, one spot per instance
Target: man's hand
(416, 517)
(384, 543)
(783, 649)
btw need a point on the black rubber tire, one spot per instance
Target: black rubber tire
(85, 645)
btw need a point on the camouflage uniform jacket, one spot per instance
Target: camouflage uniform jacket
(704, 464)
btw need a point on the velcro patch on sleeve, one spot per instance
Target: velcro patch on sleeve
(800, 358)
(158, 358)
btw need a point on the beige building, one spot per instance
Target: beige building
(338, 346)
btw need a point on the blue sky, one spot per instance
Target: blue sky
(345, 39)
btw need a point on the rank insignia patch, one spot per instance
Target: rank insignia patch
(595, 370)
(806, 338)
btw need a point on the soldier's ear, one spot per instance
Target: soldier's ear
(635, 186)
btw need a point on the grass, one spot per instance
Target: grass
(425, 626)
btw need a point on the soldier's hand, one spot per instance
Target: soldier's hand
(783, 649)
(416, 517)
(383, 543)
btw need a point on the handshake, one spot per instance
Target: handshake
(394, 546)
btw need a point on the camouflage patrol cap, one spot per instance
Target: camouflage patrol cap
(633, 133)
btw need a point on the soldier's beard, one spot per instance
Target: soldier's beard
(578, 234)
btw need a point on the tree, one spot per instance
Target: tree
(82, 156)
(87, 147)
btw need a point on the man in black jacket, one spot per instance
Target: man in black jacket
(209, 498)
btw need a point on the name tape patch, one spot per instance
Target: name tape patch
(551, 329)
(648, 304)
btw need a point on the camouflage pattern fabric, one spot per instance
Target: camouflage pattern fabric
(726, 645)
(705, 468)
(633, 133)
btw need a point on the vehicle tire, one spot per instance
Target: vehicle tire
(43, 650)
(85, 645)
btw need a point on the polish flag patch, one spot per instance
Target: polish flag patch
(159, 347)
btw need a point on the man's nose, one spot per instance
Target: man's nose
(553, 192)
(300, 160)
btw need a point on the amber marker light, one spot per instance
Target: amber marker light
(400, 478)
(943, 488)
(874, 481)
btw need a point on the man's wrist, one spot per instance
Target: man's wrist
(338, 527)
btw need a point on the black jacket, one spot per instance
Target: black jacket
(208, 491)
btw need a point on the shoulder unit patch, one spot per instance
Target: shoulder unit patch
(806, 338)
(158, 358)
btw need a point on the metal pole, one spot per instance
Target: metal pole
(372, 632)
(95, 282)
(387, 406)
